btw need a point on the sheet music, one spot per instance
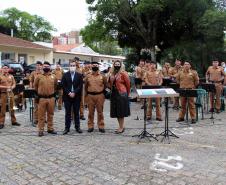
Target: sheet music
(155, 93)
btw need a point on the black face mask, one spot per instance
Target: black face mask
(117, 68)
(46, 69)
(95, 68)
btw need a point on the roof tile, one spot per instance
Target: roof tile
(7, 40)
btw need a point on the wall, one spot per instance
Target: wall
(67, 56)
(32, 54)
(64, 57)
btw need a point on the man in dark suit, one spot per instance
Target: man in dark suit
(72, 83)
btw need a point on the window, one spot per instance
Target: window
(8, 56)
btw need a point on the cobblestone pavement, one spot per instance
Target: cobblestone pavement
(198, 157)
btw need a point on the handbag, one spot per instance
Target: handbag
(107, 93)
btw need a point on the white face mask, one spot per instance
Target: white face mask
(72, 69)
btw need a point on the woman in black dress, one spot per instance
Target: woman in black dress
(120, 89)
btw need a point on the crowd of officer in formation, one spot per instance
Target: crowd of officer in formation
(77, 89)
(84, 87)
(146, 73)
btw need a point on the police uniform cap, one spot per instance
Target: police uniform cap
(87, 62)
(39, 62)
(95, 63)
(47, 63)
(76, 59)
(5, 65)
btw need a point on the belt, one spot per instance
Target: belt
(43, 96)
(95, 93)
(216, 81)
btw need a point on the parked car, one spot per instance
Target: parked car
(17, 70)
(30, 68)
(104, 66)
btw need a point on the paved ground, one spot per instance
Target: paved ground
(197, 157)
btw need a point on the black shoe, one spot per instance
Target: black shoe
(78, 130)
(40, 134)
(90, 130)
(66, 131)
(82, 118)
(142, 107)
(218, 111)
(149, 118)
(119, 132)
(211, 110)
(52, 132)
(15, 124)
(158, 119)
(179, 120)
(1, 126)
(102, 130)
(193, 121)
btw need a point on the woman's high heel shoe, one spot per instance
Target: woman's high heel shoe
(119, 132)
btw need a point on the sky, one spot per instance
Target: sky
(64, 15)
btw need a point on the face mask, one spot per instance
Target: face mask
(72, 69)
(117, 68)
(95, 68)
(46, 69)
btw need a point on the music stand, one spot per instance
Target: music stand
(145, 134)
(210, 88)
(166, 82)
(174, 86)
(26, 82)
(138, 81)
(187, 93)
(18, 89)
(167, 132)
(202, 81)
(31, 94)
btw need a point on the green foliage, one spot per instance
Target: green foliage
(26, 26)
(131, 61)
(189, 29)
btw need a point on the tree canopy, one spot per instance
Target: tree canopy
(193, 29)
(25, 26)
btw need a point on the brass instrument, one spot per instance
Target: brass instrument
(8, 93)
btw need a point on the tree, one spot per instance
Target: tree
(25, 26)
(180, 28)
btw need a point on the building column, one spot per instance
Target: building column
(16, 56)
